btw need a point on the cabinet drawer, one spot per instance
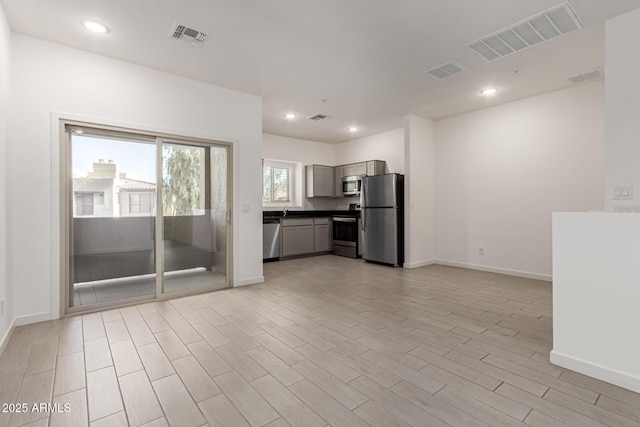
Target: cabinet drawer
(319, 221)
(295, 222)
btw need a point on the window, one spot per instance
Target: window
(140, 203)
(277, 182)
(84, 204)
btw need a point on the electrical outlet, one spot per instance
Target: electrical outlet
(480, 251)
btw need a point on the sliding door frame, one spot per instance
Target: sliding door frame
(66, 213)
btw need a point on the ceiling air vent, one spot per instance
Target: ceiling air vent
(547, 25)
(586, 76)
(445, 70)
(318, 117)
(186, 34)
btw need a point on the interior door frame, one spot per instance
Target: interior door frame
(66, 212)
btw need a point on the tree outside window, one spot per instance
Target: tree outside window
(183, 180)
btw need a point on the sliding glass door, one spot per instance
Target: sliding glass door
(147, 216)
(194, 208)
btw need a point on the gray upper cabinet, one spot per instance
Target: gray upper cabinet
(339, 173)
(376, 167)
(355, 169)
(370, 168)
(320, 181)
(326, 181)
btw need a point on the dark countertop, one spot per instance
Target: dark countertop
(310, 214)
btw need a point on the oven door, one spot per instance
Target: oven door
(345, 237)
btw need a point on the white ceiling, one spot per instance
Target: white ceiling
(365, 57)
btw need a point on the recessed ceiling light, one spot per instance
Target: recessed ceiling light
(353, 129)
(94, 26)
(489, 91)
(290, 116)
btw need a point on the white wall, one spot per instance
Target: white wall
(5, 283)
(50, 78)
(596, 294)
(419, 165)
(501, 171)
(622, 106)
(388, 146)
(306, 152)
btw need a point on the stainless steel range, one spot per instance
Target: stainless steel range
(347, 240)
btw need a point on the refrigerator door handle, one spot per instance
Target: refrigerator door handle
(363, 207)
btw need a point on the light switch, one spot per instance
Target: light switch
(622, 192)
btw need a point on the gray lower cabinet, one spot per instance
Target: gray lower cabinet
(302, 236)
(306, 239)
(290, 241)
(297, 236)
(322, 235)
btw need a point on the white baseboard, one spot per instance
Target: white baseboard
(32, 318)
(252, 281)
(594, 370)
(419, 264)
(7, 336)
(516, 273)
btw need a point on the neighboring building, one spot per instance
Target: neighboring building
(137, 198)
(105, 192)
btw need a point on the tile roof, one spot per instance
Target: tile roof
(134, 184)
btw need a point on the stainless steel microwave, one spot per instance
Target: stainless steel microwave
(351, 185)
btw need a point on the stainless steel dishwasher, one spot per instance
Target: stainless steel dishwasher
(271, 238)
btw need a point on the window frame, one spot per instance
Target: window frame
(80, 207)
(140, 195)
(294, 183)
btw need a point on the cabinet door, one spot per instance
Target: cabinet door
(375, 167)
(305, 239)
(320, 181)
(355, 169)
(338, 174)
(350, 170)
(361, 168)
(290, 241)
(323, 179)
(371, 168)
(321, 238)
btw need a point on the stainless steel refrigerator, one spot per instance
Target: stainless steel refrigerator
(382, 203)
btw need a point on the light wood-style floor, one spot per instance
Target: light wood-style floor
(325, 341)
